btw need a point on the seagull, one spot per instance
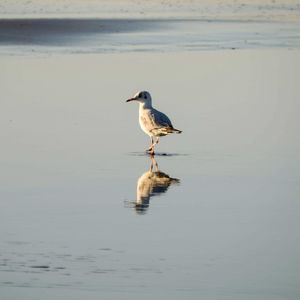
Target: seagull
(153, 122)
(151, 183)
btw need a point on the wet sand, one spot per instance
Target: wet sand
(65, 31)
(73, 160)
(267, 10)
(66, 36)
(83, 215)
(135, 26)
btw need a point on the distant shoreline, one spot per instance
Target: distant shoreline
(103, 35)
(53, 31)
(272, 10)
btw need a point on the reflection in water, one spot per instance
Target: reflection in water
(151, 184)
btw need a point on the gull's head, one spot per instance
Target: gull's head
(142, 97)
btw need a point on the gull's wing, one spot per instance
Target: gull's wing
(161, 124)
(159, 119)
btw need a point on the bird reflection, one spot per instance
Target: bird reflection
(151, 183)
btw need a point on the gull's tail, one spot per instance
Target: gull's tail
(177, 131)
(164, 131)
(173, 130)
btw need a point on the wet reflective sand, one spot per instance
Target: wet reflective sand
(50, 36)
(72, 159)
(151, 183)
(86, 213)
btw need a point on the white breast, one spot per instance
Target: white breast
(145, 121)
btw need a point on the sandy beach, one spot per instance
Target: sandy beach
(53, 32)
(83, 215)
(125, 26)
(272, 10)
(66, 36)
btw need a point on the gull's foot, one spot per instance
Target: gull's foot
(150, 151)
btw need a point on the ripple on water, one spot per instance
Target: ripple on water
(105, 249)
(157, 154)
(103, 271)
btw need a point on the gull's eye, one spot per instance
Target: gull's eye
(145, 96)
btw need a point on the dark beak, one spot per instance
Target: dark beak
(131, 99)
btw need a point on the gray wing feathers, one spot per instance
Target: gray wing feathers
(160, 119)
(161, 123)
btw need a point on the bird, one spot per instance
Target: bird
(153, 122)
(151, 183)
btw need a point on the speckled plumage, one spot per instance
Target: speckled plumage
(153, 122)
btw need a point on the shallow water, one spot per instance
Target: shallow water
(72, 224)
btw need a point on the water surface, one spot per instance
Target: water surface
(72, 155)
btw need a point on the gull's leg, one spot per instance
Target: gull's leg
(153, 161)
(151, 165)
(156, 142)
(156, 165)
(150, 148)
